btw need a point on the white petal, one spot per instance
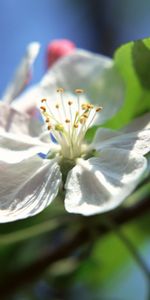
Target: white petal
(95, 74)
(22, 74)
(17, 156)
(138, 141)
(16, 122)
(30, 100)
(21, 142)
(140, 123)
(104, 134)
(101, 184)
(27, 188)
(15, 148)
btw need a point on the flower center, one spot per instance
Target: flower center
(68, 121)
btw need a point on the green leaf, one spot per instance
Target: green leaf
(141, 63)
(133, 63)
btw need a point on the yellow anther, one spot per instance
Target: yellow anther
(82, 120)
(75, 125)
(60, 90)
(57, 106)
(70, 102)
(79, 91)
(59, 127)
(67, 121)
(43, 108)
(85, 116)
(87, 106)
(43, 100)
(84, 106)
(99, 109)
(49, 127)
(90, 106)
(47, 120)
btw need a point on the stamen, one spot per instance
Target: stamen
(43, 100)
(76, 115)
(99, 109)
(85, 116)
(79, 91)
(57, 106)
(84, 106)
(49, 127)
(43, 108)
(82, 120)
(47, 120)
(60, 90)
(70, 113)
(90, 106)
(67, 121)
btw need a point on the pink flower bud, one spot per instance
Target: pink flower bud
(57, 49)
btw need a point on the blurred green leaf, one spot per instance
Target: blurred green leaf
(141, 63)
(109, 254)
(133, 62)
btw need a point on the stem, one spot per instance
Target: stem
(29, 232)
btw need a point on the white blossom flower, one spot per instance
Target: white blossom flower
(36, 166)
(95, 177)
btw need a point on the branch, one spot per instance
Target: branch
(30, 273)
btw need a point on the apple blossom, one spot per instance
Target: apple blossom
(36, 166)
(96, 177)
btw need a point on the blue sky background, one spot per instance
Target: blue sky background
(97, 25)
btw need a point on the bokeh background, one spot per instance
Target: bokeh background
(101, 26)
